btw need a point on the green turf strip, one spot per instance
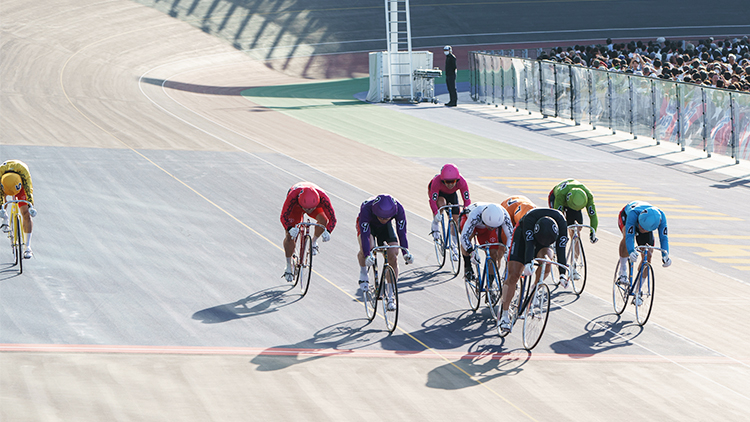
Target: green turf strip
(330, 105)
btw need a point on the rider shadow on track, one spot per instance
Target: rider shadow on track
(335, 340)
(8, 271)
(479, 366)
(417, 278)
(604, 333)
(258, 303)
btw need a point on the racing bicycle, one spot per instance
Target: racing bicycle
(576, 259)
(16, 232)
(383, 285)
(488, 279)
(302, 260)
(447, 242)
(640, 288)
(530, 303)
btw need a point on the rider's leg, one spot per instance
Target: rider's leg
(28, 224)
(393, 258)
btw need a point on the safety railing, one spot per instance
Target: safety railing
(712, 119)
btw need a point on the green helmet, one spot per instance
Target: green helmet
(577, 199)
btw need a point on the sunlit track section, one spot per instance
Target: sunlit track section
(736, 256)
(610, 197)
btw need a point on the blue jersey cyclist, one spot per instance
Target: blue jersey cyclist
(637, 222)
(540, 230)
(375, 228)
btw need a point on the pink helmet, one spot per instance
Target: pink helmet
(449, 172)
(308, 198)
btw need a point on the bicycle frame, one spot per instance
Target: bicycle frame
(302, 261)
(640, 288)
(381, 289)
(446, 242)
(577, 261)
(489, 279)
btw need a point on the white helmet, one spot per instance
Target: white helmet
(492, 216)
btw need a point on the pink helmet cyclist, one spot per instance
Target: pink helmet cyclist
(449, 172)
(308, 198)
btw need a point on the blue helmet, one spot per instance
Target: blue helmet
(649, 219)
(384, 206)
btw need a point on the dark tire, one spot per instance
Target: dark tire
(644, 293)
(389, 286)
(305, 266)
(494, 287)
(439, 244)
(472, 291)
(373, 293)
(453, 249)
(535, 317)
(577, 266)
(620, 293)
(19, 242)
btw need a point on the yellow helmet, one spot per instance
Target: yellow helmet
(11, 183)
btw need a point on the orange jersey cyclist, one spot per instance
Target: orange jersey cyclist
(637, 222)
(570, 197)
(540, 230)
(486, 222)
(16, 182)
(305, 198)
(375, 228)
(443, 190)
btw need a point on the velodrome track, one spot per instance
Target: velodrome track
(155, 293)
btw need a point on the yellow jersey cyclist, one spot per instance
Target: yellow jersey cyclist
(487, 222)
(540, 230)
(637, 222)
(16, 183)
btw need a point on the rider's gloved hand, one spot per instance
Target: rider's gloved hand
(293, 232)
(408, 258)
(633, 257)
(475, 257)
(3, 214)
(592, 237)
(326, 236)
(666, 261)
(32, 211)
(436, 219)
(528, 269)
(370, 261)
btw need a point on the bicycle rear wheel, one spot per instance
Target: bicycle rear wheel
(453, 251)
(535, 317)
(494, 287)
(439, 243)
(19, 242)
(472, 290)
(390, 291)
(577, 266)
(644, 293)
(305, 265)
(620, 292)
(372, 294)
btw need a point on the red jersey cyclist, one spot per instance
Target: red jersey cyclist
(486, 222)
(305, 198)
(540, 230)
(374, 228)
(15, 181)
(443, 190)
(637, 222)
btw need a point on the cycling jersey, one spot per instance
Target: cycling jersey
(437, 187)
(517, 207)
(22, 170)
(524, 247)
(474, 221)
(292, 212)
(367, 222)
(632, 228)
(559, 201)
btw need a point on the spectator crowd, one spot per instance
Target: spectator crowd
(715, 63)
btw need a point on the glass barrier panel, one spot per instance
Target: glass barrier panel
(582, 94)
(719, 122)
(563, 90)
(643, 107)
(600, 99)
(691, 116)
(620, 101)
(742, 125)
(665, 103)
(549, 95)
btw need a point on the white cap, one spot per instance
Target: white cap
(447, 48)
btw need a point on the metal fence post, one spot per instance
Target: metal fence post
(734, 133)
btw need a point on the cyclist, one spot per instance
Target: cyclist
(540, 230)
(305, 198)
(570, 197)
(15, 179)
(485, 221)
(443, 190)
(517, 206)
(374, 224)
(637, 221)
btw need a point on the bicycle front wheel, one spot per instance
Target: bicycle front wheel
(644, 293)
(305, 265)
(390, 296)
(472, 290)
(535, 317)
(620, 292)
(577, 266)
(439, 243)
(372, 294)
(494, 287)
(453, 251)
(19, 242)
